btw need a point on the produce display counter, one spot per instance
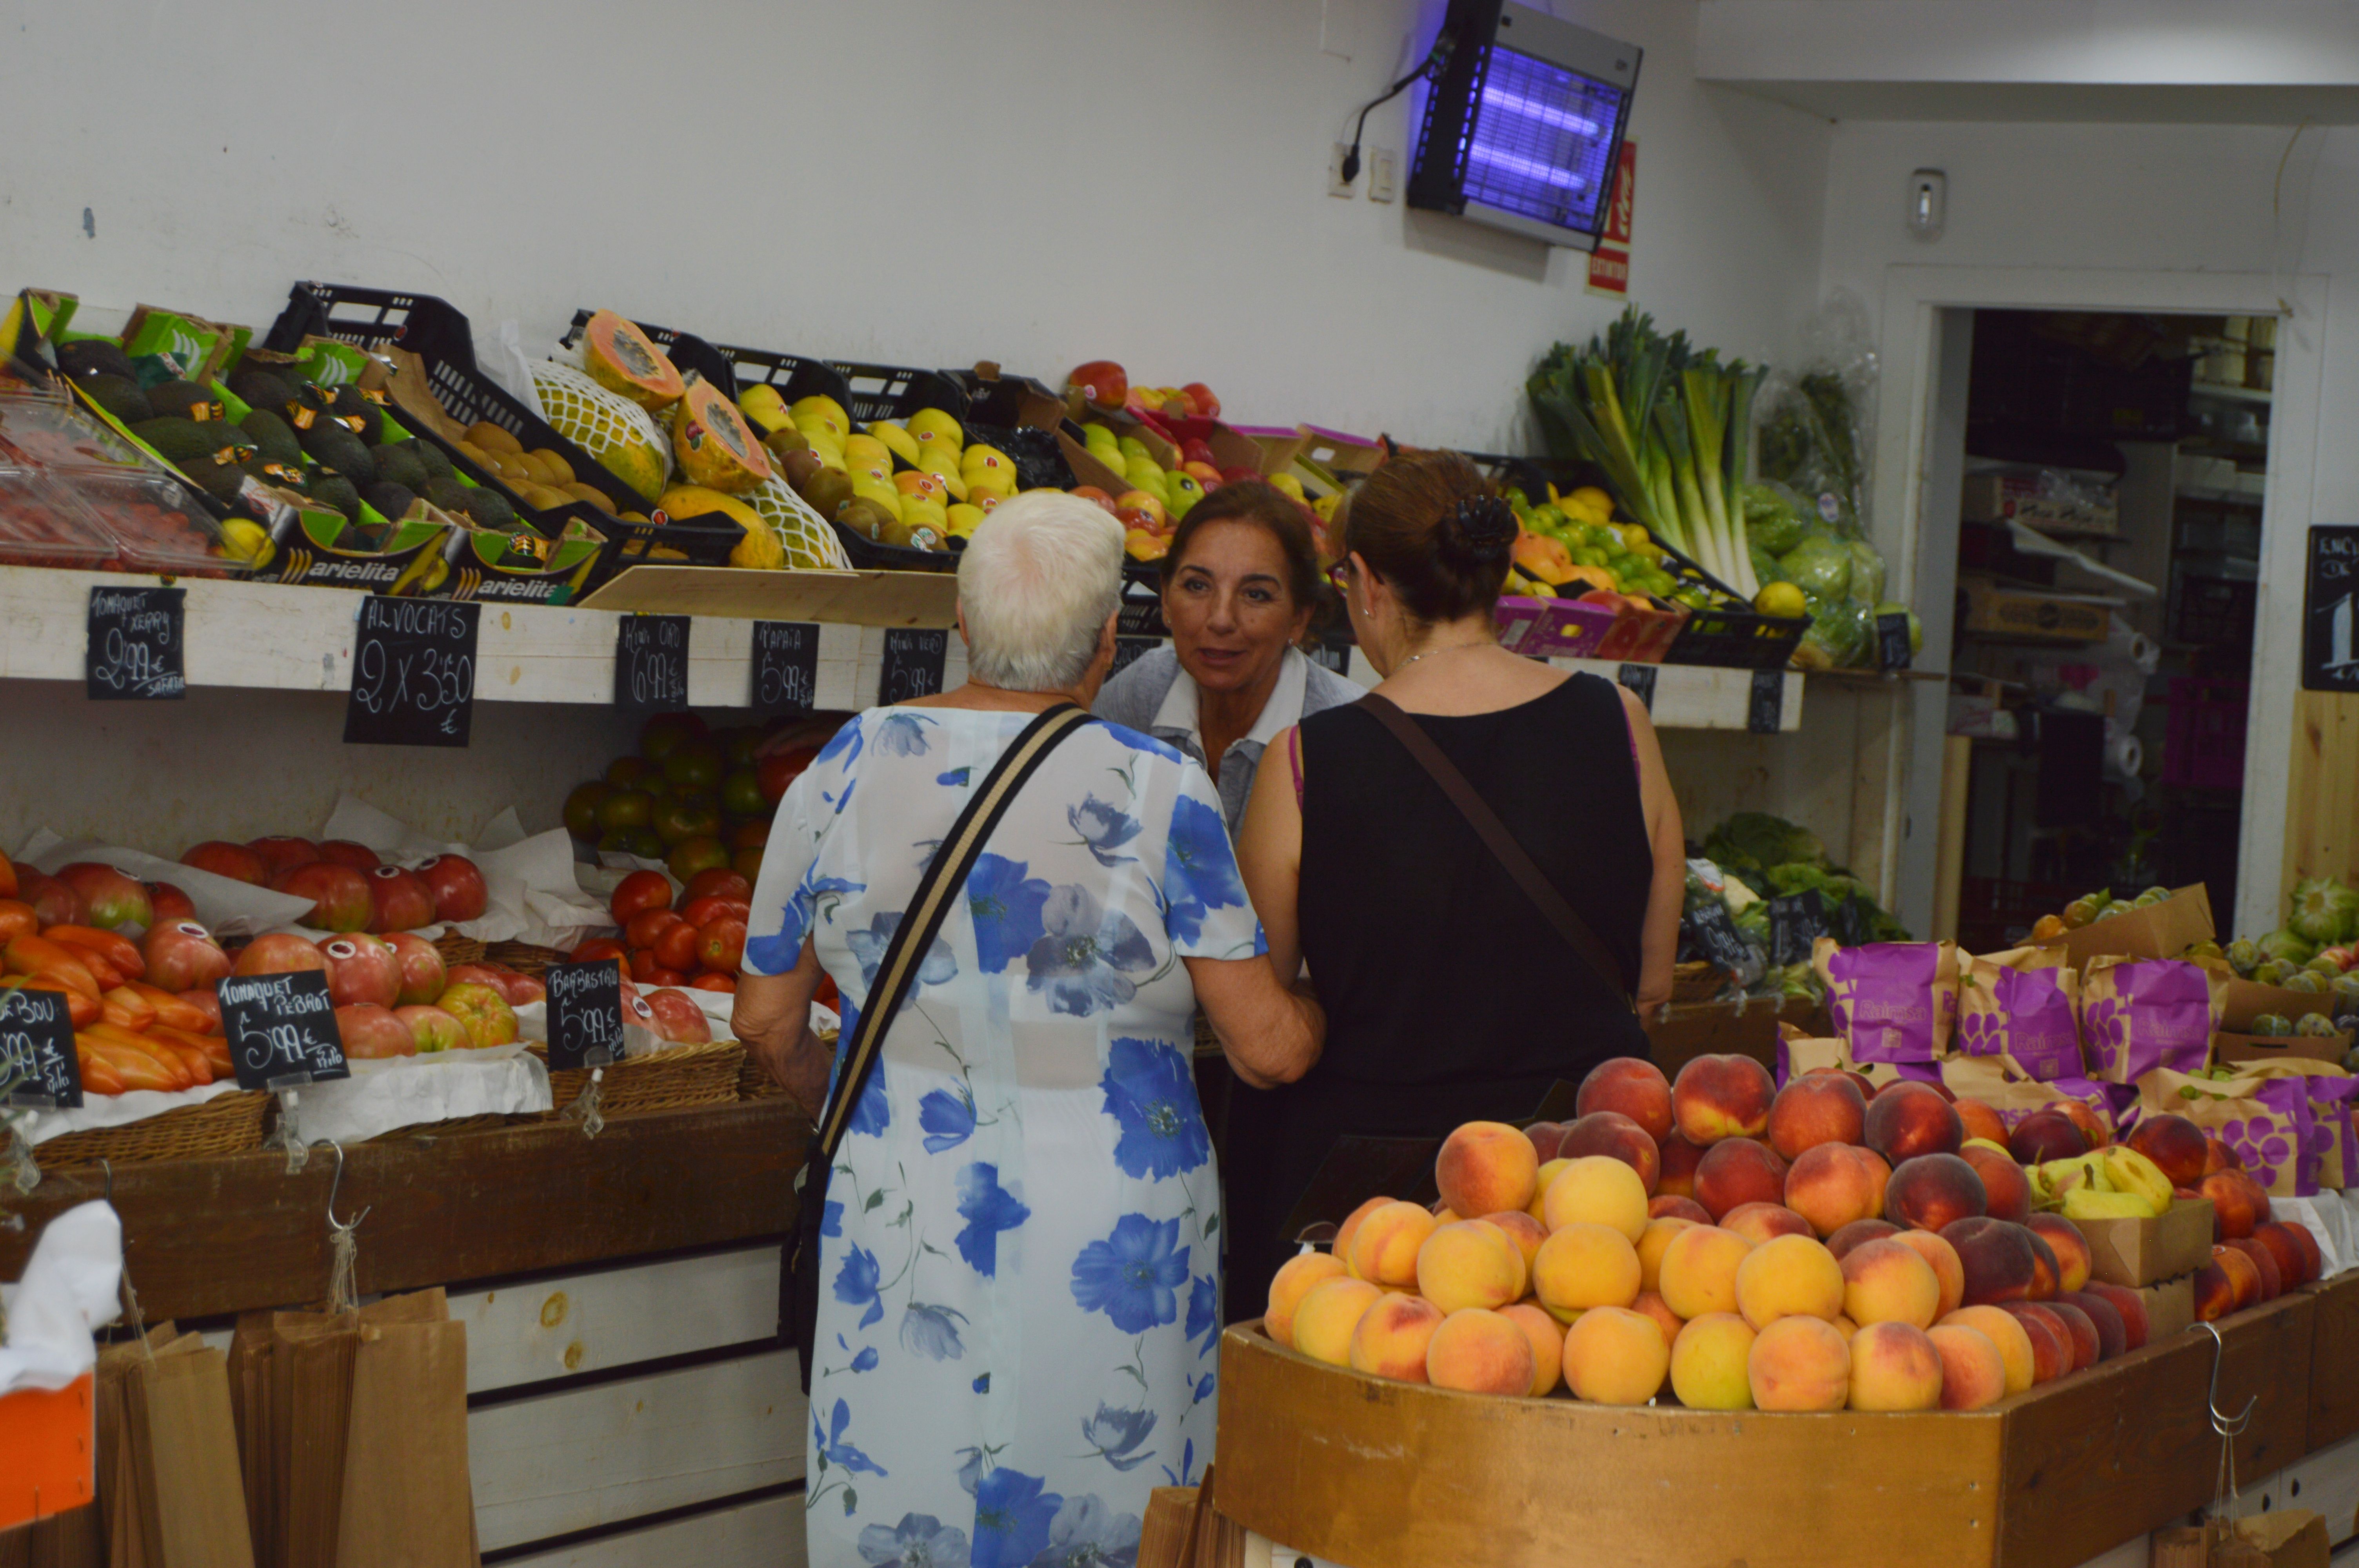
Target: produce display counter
(2334, 1364)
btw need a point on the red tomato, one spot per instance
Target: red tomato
(704, 911)
(826, 995)
(643, 964)
(779, 769)
(719, 882)
(721, 943)
(659, 976)
(600, 948)
(640, 891)
(677, 947)
(713, 982)
(643, 929)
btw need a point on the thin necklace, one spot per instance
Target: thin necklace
(1444, 649)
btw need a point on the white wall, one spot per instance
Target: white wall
(905, 181)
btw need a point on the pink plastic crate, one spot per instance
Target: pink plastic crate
(2204, 747)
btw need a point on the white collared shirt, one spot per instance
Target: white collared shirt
(1303, 687)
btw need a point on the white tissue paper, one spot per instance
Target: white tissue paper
(408, 1091)
(117, 1110)
(532, 893)
(69, 1288)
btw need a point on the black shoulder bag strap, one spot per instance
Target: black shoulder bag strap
(896, 974)
(1501, 843)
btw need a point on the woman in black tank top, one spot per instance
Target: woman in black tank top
(1450, 996)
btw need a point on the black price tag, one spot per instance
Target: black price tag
(281, 1030)
(913, 665)
(1141, 616)
(1716, 936)
(413, 673)
(786, 665)
(135, 649)
(585, 1013)
(1892, 650)
(1796, 921)
(37, 1047)
(1765, 710)
(2329, 613)
(1640, 678)
(1128, 651)
(651, 663)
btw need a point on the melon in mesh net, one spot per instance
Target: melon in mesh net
(807, 540)
(610, 427)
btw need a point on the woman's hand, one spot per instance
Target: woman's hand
(772, 1016)
(1271, 1033)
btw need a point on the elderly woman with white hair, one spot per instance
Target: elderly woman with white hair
(1020, 1260)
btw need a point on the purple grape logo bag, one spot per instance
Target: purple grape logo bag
(2332, 1153)
(2022, 1005)
(2141, 1015)
(1891, 1001)
(2267, 1120)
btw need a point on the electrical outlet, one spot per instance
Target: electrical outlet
(1336, 184)
(1382, 167)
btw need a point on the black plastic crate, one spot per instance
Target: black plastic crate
(999, 400)
(686, 351)
(1730, 633)
(794, 376)
(1039, 461)
(868, 556)
(2214, 611)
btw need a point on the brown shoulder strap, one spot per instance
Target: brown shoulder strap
(1501, 843)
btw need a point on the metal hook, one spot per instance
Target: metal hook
(2224, 1424)
(333, 1186)
(108, 1166)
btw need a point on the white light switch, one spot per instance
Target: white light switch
(1381, 171)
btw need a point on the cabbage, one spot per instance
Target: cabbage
(1866, 572)
(2324, 910)
(1755, 840)
(1844, 633)
(1820, 566)
(2285, 944)
(1773, 517)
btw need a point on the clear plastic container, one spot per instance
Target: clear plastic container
(154, 524)
(63, 436)
(44, 524)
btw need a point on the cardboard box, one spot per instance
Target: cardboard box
(2241, 1002)
(1994, 495)
(2162, 930)
(2034, 617)
(2135, 1252)
(1678, 1033)
(1339, 453)
(2288, 1537)
(1551, 628)
(2170, 1306)
(1277, 445)
(2232, 1048)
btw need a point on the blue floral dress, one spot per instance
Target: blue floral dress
(1021, 1248)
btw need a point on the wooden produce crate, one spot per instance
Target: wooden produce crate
(2334, 1362)
(1384, 1475)
(1685, 1030)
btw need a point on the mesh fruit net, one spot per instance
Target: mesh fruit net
(611, 428)
(805, 535)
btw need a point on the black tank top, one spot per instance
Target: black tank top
(1433, 966)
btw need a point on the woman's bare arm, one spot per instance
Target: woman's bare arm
(1269, 853)
(1271, 1033)
(1658, 940)
(773, 1018)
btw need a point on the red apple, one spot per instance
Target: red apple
(281, 852)
(168, 902)
(457, 886)
(344, 852)
(432, 1029)
(222, 858)
(182, 954)
(399, 900)
(484, 1012)
(54, 904)
(1208, 405)
(372, 1033)
(423, 977)
(339, 895)
(1101, 382)
(279, 952)
(678, 1020)
(114, 899)
(362, 969)
(1196, 450)
(1240, 474)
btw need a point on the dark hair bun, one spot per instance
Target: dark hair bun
(1479, 531)
(1430, 524)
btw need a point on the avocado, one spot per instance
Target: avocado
(220, 480)
(437, 460)
(272, 439)
(184, 442)
(279, 475)
(179, 397)
(336, 493)
(448, 494)
(120, 398)
(398, 463)
(350, 404)
(489, 508)
(303, 395)
(334, 447)
(95, 356)
(394, 500)
(263, 389)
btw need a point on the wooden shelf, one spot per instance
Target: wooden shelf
(2228, 393)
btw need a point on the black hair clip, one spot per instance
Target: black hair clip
(1484, 520)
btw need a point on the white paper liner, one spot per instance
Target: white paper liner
(69, 1288)
(227, 907)
(408, 1091)
(118, 1110)
(2333, 1219)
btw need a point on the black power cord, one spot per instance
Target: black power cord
(1430, 68)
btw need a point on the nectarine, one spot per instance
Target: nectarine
(1718, 1097)
(1633, 1086)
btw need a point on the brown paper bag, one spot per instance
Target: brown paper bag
(184, 1446)
(2333, 1152)
(408, 1499)
(2267, 1120)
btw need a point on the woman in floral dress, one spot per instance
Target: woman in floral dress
(1020, 1257)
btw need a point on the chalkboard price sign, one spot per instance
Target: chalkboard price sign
(1640, 678)
(1765, 711)
(1716, 936)
(1128, 651)
(786, 665)
(913, 665)
(2330, 616)
(413, 673)
(585, 1013)
(281, 1030)
(1891, 649)
(134, 651)
(36, 1048)
(651, 662)
(1796, 921)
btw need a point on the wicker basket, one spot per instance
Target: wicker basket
(525, 959)
(226, 1124)
(1697, 982)
(457, 950)
(490, 1121)
(669, 1079)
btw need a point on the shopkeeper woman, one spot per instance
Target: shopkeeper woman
(1449, 996)
(1240, 584)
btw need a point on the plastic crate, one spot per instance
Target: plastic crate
(1006, 401)
(896, 392)
(2204, 746)
(794, 376)
(1729, 632)
(686, 351)
(2214, 611)
(438, 335)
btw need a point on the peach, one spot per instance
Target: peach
(1479, 1352)
(2128, 1304)
(1522, 1230)
(1469, 1264)
(1546, 1336)
(2006, 1191)
(1610, 1133)
(1616, 1357)
(1722, 1096)
(1680, 1158)
(1585, 1265)
(1788, 1276)
(1652, 1242)
(1633, 1086)
(1328, 1312)
(2112, 1334)
(1830, 1187)
(1537, 1208)
(1485, 1166)
(1948, 1272)
(2173, 1143)
(1738, 1171)
(1342, 1246)
(1758, 1222)
(1995, 1257)
(1668, 1205)
(1597, 1189)
(1814, 1109)
(1894, 1367)
(2242, 1271)
(1698, 1273)
(2045, 1271)
(2047, 1135)
(2215, 1293)
(2069, 1246)
(2239, 1203)
(1709, 1361)
(1977, 1120)
(1879, 1174)
(1650, 1304)
(1799, 1364)
(2084, 1116)
(2284, 1241)
(1910, 1118)
(1845, 1327)
(1857, 1231)
(1889, 1282)
(1442, 1213)
(2004, 1329)
(2217, 1156)
(2313, 1266)
(1934, 1191)
(1391, 1337)
(2086, 1346)
(2052, 1351)
(1384, 1247)
(1292, 1281)
(1545, 1137)
(1973, 1373)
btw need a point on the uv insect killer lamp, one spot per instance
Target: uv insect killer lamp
(1524, 123)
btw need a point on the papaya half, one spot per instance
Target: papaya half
(716, 448)
(624, 360)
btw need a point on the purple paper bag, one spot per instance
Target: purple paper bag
(1892, 1001)
(2137, 1016)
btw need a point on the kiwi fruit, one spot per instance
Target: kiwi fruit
(393, 500)
(95, 356)
(350, 404)
(273, 439)
(436, 460)
(489, 509)
(262, 389)
(398, 463)
(785, 439)
(333, 446)
(863, 517)
(337, 492)
(120, 396)
(827, 491)
(182, 398)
